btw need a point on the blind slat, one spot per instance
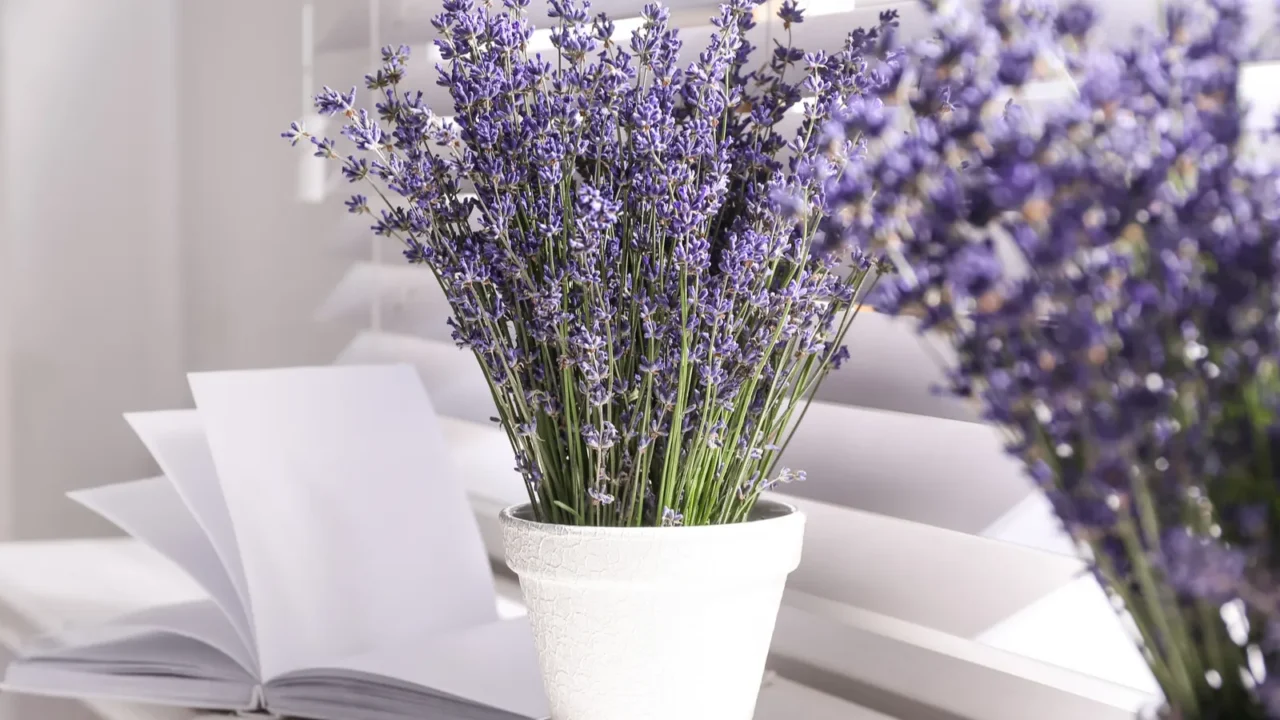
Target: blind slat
(908, 670)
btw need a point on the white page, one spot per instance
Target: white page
(353, 524)
(494, 664)
(153, 512)
(175, 438)
(199, 620)
(136, 667)
(141, 651)
(49, 680)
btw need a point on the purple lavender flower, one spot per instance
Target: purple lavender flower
(295, 133)
(600, 497)
(323, 148)
(1201, 567)
(790, 13)
(333, 102)
(625, 241)
(1108, 273)
(671, 518)
(358, 204)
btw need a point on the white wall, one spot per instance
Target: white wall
(149, 227)
(257, 262)
(6, 425)
(91, 263)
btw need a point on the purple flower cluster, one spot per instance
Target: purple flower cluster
(1107, 269)
(625, 242)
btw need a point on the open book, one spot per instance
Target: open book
(346, 577)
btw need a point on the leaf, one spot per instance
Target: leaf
(567, 509)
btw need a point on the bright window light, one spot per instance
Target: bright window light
(768, 12)
(818, 8)
(800, 107)
(1049, 91)
(1258, 83)
(540, 41)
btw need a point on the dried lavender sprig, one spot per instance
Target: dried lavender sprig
(1133, 360)
(633, 270)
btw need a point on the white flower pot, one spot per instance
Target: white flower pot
(653, 623)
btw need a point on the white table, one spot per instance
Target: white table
(46, 585)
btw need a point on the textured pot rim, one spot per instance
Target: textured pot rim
(698, 556)
(516, 516)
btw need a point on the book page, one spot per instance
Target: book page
(495, 664)
(50, 679)
(353, 524)
(175, 438)
(142, 667)
(199, 620)
(153, 512)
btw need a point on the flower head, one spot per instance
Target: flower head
(358, 204)
(295, 133)
(671, 518)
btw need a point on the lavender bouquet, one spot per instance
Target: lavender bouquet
(626, 245)
(1106, 274)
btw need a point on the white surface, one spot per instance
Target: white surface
(48, 585)
(332, 571)
(653, 623)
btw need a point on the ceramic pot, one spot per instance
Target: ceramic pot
(669, 623)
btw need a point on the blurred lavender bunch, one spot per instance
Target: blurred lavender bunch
(1105, 270)
(625, 243)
